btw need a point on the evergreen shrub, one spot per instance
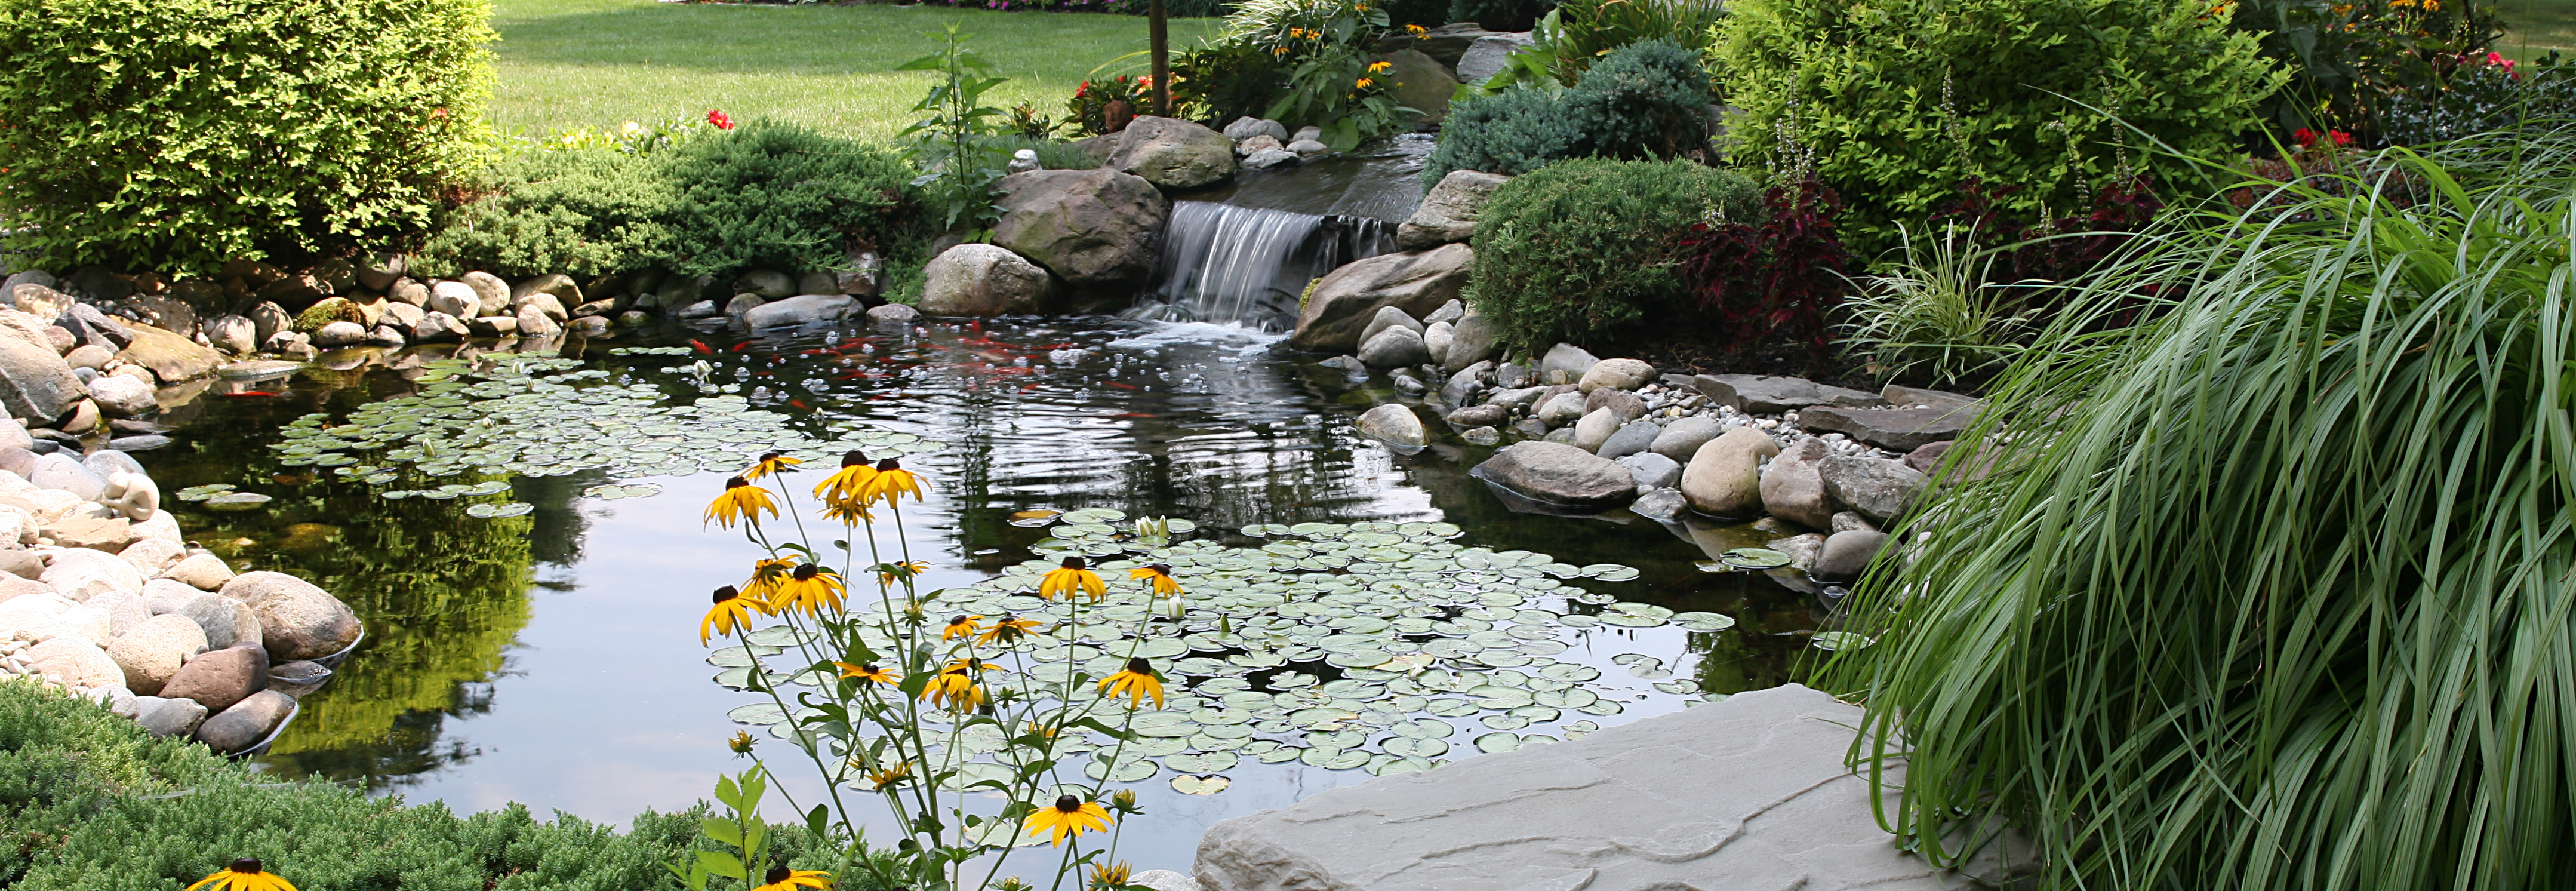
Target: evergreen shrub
(175, 134)
(1645, 100)
(1585, 249)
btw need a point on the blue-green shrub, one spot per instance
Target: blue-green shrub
(174, 134)
(1586, 249)
(1645, 100)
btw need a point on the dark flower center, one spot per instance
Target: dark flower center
(736, 483)
(889, 464)
(766, 457)
(776, 875)
(854, 458)
(1138, 665)
(1076, 563)
(807, 572)
(1068, 804)
(246, 865)
(726, 593)
(960, 620)
(1161, 569)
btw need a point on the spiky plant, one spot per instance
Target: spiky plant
(2271, 590)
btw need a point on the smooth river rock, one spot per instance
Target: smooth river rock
(984, 280)
(1559, 475)
(247, 722)
(1394, 347)
(1172, 153)
(1793, 487)
(217, 679)
(152, 652)
(1767, 395)
(805, 309)
(1748, 793)
(1347, 299)
(1397, 425)
(1848, 553)
(1617, 374)
(1681, 439)
(1448, 212)
(1724, 477)
(1877, 488)
(296, 619)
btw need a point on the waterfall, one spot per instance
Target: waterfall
(1247, 265)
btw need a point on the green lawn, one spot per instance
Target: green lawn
(2534, 27)
(570, 63)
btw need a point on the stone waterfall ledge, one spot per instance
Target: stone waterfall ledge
(1749, 793)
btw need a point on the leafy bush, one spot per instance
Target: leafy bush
(957, 142)
(583, 212)
(175, 134)
(1900, 102)
(1644, 100)
(1775, 276)
(1300, 62)
(2351, 61)
(1585, 249)
(1578, 33)
(2482, 96)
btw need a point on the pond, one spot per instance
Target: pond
(539, 644)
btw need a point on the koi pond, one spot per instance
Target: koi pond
(525, 537)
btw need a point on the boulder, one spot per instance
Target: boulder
(340, 334)
(893, 314)
(78, 573)
(1631, 438)
(437, 327)
(246, 723)
(42, 302)
(554, 286)
(1345, 300)
(1847, 521)
(1848, 554)
(1308, 148)
(1489, 55)
(381, 270)
(125, 611)
(1682, 438)
(1394, 348)
(165, 718)
(1267, 158)
(1448, 212)
(768, 283)
(409, 293)
(1390, 317)
(151, 653)
(1165, 880)
(1515, 398)
(1248, 127)
(1421, 83)
(1629, 406)
(96, 533)
(1877, 488)
(171, 357)
(1565, 363)
(546, 305)
(88, 356)
(1444, 44)
(457, 299)
(1793, 487)
(1397, 425)
(1896, 430)
(1562, 409)
(220, 678)
(402, 316)
(296, 619)
(75, 662)
(1472, 339)
(984, 280)
(35, 382)
(807, 309)
(61, 473)
(120, 396)
(1487, 415)
(1803, 550)
(232, 333)
(1463, 384)
(226, 622)
(1661, 505)
(1172, 153)
(202, 571)
(1595, 429)
(1928, 457)
(1559, 475)
(1908, 397)
(742, 304)
(1767, 395)
(1616, 374)
(1724, 477)
(1092, 228)
(491, 294)
(1652, 471)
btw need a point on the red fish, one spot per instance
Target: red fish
(254, 393)
(799, 403)
(1131, 414)
(739, 347)
(702, 347)
(1124, 386)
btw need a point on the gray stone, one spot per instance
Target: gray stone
(165, 718)
(1487, 415)
(742, 304)
(1450, 312)
(1173, 153)
(95, 533)
(1802, 549)
(1877, 488)
(893, 314)
(38, 277)
(984, 280)
(1724, 477)
(767, 283)
(1265, 159)
(1421, 83)
(226, 622)
(1472, 339)
(1681, 439)
(75, 662)
(1766, 395)
(170, 357)
(121, 396)
(1616, 374)
(1164, 879)
(296, 619)
(1748, 793)
(1530, 427)
(1345, 300)
(1464, 382)
(1652, 471)
(456, 299)
(202, 571)
(1793, 487)
(1516, 399)
(1629, 406)
(59, 472)
(1565, 408)
(703, 309)
(1246, 148)
(1436, 336)
(152, 652)
(1397, 425)
(1661, 505)
(1559, 475)
(491, 294)
(45, 303)
(88, 356)
(1912, 396)
(1247, 127)
(1595, 429)
(1565, 363)
(1847, 521)
(558, 289)
(378, 271)
(493, 326)
(1848, 554)
(1389, 317)
(1927, 457)
(1093, 228)
(220, 678)
(1896, 430)
(438, 326)
(338, 334)
(35, 382)
(1394, 347)
(1489, 55)
(246, 723)
(808, 309)
(1631, 438)
(862, 274)
(1483, 436)
(1308, 148)
(1448, 212)
(409, 293)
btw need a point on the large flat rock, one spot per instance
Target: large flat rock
(1748, 793)
(1894, 429)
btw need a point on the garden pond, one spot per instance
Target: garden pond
(523, 535)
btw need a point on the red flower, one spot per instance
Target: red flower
(2340, 137)
(2304, 137)
(718, 118)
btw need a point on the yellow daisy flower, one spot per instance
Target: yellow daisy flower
(243, 875)
(1380, 65)
(962, 626)
(1363, 83)
(891, 482)
(809, 588)
(768, 575)
(880, 780)
(731, 616)
(1074, 576)
(955, 688)
(1010, 630)
(1161, 576)
(867, 672)
(741, 501)
(770, 463)
(1110, 875)
(1067, 817)
(847, 483)
(781, 878)
(889, 573)
(1135, 682)
(741, 742)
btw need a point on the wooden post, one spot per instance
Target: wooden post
(1161, 25)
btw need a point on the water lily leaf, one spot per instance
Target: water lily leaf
(1498, 742)
(1754, 558)
(1200, 785)
(1840, 640)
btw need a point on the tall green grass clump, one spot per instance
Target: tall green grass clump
(2275, 588)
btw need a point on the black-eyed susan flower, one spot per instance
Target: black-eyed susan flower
(849, 513)
(1010, 630)
(1074, 576)
(731, 616)
(768, 575)
(889, 573)
(892, 482)
(881, 780)
(770, 463)
(962, 626)
(810, 588)
(1160, 577)
(867, 672)
(1040, 731)
(741, 501)
(955, 687)
(1067, 817)
(781, 878)
(1110, 876)
(243, 875)
(1136, 681)
(850, 482)
(741, 742)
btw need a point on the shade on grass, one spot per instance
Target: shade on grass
(2272, 591)
(595, 63)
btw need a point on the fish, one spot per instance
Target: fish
(254, 393)
(1123, 386)
(739, 347)
(701, 346)
(1131, 414)
(799, 403)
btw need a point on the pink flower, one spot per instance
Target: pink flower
(718, 118)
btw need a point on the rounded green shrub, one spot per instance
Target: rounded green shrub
(777, 196)
(174, 134)
(1645, 100)
(1897, 104)
(581, 212)
(1584, 250)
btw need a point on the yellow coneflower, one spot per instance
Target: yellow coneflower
(741, 742)
(781, 878)
(891, 482)
(1418, 32)
(770, 463)
(1110, 876)
(768, 575)
(1010, 630)
(879, 780)
(1074, 576)
(730, 616)
(1067, 817)
(962, 626)
(1362, 84)
(1380, 66)
(741, 501)
(1040, 731)
(1136, 681)
(243, 875)
(810, 588)
(955, 688)
(848, 513)
(867, 672)
(1161, 578)
(889, 573)
(849, 482)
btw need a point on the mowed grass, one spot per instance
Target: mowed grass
(2534, 27)
(597, 63)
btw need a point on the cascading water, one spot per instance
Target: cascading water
(1248, 265)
